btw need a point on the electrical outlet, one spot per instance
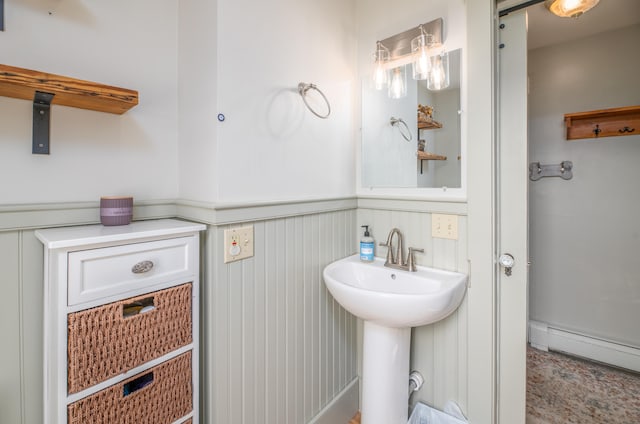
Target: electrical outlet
(238, 243)
(444, 226)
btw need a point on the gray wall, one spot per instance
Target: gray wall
(279, 348)
(21, 268)
(438, 351)
(585, 232)
(276, 347)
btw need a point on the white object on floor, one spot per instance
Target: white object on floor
(424, 414)
(453, 409)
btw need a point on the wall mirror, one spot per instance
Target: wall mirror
(398, 149)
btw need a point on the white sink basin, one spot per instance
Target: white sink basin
(390, 302)
(394, 298)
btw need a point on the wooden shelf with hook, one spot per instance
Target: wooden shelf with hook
(603, 123)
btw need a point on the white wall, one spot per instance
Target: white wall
(189, 60)
(126, 44)
(584, 233)
(270, 147)
(197, 99)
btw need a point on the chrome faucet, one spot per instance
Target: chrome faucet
(397, 260)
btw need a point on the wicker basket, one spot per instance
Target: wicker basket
(163, 400)
(103, 343)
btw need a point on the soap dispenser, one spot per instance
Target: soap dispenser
(366, 246)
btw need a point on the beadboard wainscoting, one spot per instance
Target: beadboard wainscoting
(438, 351)
(21, 320)
(279, 348)
(276, 347)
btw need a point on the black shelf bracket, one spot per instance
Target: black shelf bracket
(1, 15)
(41, 121)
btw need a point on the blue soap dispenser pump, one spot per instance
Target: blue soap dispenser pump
(366, 246)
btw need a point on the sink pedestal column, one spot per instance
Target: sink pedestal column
(385, 374)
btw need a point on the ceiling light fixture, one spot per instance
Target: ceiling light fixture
(570, 8)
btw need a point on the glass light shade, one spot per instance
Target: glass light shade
(420, 51)
(398, 84)
(439, 75)
(380, 71)
(570, 8)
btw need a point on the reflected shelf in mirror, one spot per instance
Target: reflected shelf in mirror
(388, 160)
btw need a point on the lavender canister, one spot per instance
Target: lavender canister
(116, 210)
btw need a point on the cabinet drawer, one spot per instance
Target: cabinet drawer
(108, 340)
(160, 395)
(101, 273)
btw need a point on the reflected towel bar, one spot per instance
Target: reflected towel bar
(399, 122)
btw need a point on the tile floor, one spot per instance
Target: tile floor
(566, 390)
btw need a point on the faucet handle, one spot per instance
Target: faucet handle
(390, 259)
(411, 261)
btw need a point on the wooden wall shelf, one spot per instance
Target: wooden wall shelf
(427, 123)
(22, 83)
(430, 156)
(603, 123)
(422, 155)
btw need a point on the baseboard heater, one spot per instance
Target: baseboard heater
(545, 337)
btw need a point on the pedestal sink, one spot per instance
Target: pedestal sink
(390, 302)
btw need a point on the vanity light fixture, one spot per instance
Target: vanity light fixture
(439, 73)
(420, 50)
(416, 46)
(398, 84)
(380, 71)
(570, 8)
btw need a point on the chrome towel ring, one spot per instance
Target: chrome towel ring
(396, 122)
(303, 88)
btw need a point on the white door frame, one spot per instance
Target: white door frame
(484, 365)
(512, 217)
(480, 114)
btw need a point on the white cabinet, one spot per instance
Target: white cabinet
(121, 323)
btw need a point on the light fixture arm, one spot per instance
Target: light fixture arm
(380, 48)
(399, 45)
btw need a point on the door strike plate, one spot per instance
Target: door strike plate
(41, 121)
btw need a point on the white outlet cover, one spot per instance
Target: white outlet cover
(238, 243)
(444, 226)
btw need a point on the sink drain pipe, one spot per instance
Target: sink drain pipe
(415, 381)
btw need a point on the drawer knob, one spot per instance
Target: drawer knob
(142, 267)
